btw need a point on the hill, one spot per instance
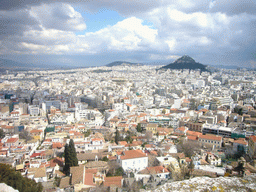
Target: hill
(186, 62)
(117, 63)
(6, 64)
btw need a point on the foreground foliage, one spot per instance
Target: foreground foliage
(14, 179)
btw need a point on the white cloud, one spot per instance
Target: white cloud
(176, 28)
(129, 34)
(59, 16)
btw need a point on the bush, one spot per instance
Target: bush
(14, 179)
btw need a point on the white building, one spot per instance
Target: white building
(33, 110)
(133, 160)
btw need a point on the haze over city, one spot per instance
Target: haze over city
(94, 33)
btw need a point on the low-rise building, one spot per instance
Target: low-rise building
(211, 140)
(133, 160)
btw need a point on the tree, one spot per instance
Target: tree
(117, 136)
(238, 110)
(70, 157)
(188, 147)
(143, 144)
(14, 179)
(139, 129)
(114, 169)
(2, 134)
(105, 158)
(25, 135)
(73, 153)
(87, 133)
(128, 138)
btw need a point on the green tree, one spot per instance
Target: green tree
(87, 133)
(105, 158)
(117, 136)
(73, 153)
(139, 129)
(143, 144)
(2, 134)
(70, 157)
(14, 179)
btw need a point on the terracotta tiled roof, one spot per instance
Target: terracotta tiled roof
(242, 142)
(194, 138)
(57, 145)
(12, 140)
(193, 133)
(64, 182)
(253, 138)
(113, 181)
(55, 161)
(77, 174)
(41, 172)
(181, 129)
(122, 142)
(153, 153)
(88, 178)
(154, 170)
(210, 137)
(36, 131)
(131, 154)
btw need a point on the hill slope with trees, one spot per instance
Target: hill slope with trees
(186, 62)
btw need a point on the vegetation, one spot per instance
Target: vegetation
(14, 179)
(139, 129)
(70, 157)
(128, 138)
(117, 137)
(186, 62)
(188, 147)
(238, 110)
(25, 135)
(2, 134)
(114, 169)
(105, 159)
(143, 144)
(117, 172)
(87, 133)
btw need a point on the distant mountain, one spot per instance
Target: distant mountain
(117, 63)
(9, 64)
(185, 62)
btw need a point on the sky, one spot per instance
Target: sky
(97, 32)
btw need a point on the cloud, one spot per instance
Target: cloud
(16, 22)
(221, 31)
(58, 16)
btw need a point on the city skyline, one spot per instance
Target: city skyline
(95, 33)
